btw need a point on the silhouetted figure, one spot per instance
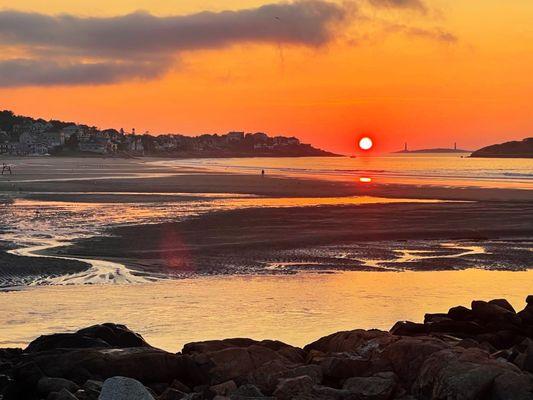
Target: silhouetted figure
(6, 168)
(262, 172)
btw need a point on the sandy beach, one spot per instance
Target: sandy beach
(76, 179)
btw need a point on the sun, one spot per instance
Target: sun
(365, 143)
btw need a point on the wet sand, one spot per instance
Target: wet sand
(253, 240)
(249, 240)
(56, 177)
(19, 271)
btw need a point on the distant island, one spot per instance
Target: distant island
(434, 150)
(26, 136)
(514, 149)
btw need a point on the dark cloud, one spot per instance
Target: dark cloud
(437, 34)
(302, 22)
(67, 49)
(71, 50)
(43, 72)
(413, 4)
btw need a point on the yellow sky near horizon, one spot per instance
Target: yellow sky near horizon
(383, 75)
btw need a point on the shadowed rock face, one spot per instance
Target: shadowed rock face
(105, 335)
(481, 352)
(522, 149)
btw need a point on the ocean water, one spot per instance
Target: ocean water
(296, 309)
(429, 169)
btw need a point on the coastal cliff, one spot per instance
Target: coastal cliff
(515, 149)
(481, 352)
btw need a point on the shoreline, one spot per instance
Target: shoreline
(148, 176)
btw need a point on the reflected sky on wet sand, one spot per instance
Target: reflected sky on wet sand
(296, 308)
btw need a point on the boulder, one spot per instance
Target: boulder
(224, 389)
(378, 387)
(339, 368)
(210, 346)
(48, 385)
(64, 341)
(460, 313)
(328, 393)
(488, 312)
(347, 341)
(227, 364)
(172, 394)
(501, 339)
(246, 391)
(503, 304)
(122, 388)
(434, 317)
(292, 388)
(512, 386)
(526, 315)
(291, 353)
(524, 358)
(267, 376)
(456, 328)
(83, 394)
(408, 328)
(117, 336)
(63, 394)
(469, 374)
(97, 336)
(176, 384)
(469, 343)
(145, 364)
(91, 384)
(236, 363)
(406, 356)
(158, 387)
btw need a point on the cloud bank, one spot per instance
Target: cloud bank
(303, 22)
(72, 50)
(68, 50)
(412, 4)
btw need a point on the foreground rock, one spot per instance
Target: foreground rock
(481, 352)
(121, 388)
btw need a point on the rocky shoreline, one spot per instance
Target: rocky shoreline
(482, 352)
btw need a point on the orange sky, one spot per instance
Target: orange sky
(385, 72)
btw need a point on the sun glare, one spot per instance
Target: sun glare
(365, 143)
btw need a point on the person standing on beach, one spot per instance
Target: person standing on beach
(6, 168)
